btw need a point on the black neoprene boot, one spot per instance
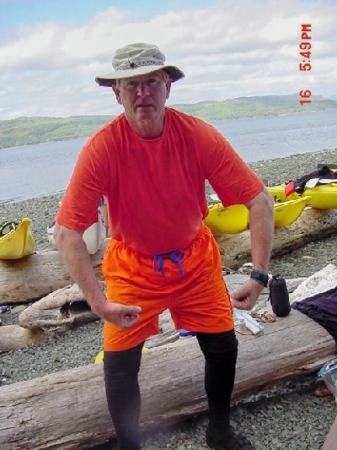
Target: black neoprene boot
(227, 439)
(123, 395)
(220, 351)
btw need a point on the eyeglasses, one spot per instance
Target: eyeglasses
(133, 85)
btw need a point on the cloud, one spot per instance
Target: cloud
(226, 50)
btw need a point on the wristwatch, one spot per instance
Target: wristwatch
(260, 277)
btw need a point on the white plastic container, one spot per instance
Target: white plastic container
(93, 236)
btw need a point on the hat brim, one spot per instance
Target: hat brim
(110, 78)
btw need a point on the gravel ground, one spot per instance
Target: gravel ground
(286, 417)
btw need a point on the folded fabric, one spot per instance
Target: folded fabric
(322, 308)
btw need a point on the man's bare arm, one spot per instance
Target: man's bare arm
(77, 260)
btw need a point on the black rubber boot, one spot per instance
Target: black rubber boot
(227, 440)
(220, 351)
(123, 395)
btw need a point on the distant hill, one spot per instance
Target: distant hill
(241, 107)
(33, 130)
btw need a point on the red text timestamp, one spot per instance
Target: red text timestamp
(305, 64)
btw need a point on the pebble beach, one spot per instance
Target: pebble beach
(288, 416)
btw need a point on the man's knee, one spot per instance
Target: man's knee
(123, 362)
(225, 342)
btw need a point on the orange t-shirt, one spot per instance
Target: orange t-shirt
(155, 188)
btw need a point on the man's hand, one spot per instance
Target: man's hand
(246, 296)
(122, 316)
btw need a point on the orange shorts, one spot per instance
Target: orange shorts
(188, 282)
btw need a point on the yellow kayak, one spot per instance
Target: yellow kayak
(227, 220)
(235, 218)
(285, 213)
(16, 239)
(323, 196)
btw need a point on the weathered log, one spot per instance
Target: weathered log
(65, 306)
(67, 410)
(14, 336)
(38, 275)
(312, 224)
(321, 281)
(31, 278)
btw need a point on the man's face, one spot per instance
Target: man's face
(143, 97)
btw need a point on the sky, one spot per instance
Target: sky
(51, 50)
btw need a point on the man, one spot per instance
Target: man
(151, 164)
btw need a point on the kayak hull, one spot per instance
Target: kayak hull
(234, 219)
(285, 213)
(18, 242)
(227, 220)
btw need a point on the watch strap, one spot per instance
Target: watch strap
(260, 277)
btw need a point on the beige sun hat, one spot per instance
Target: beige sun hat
(137, 59)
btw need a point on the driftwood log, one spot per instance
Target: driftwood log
(40, 274)
(65, 306)
(67, 410)
(321, 281)
(14, 336)
(31, 278)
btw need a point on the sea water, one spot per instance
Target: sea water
(31, 171)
